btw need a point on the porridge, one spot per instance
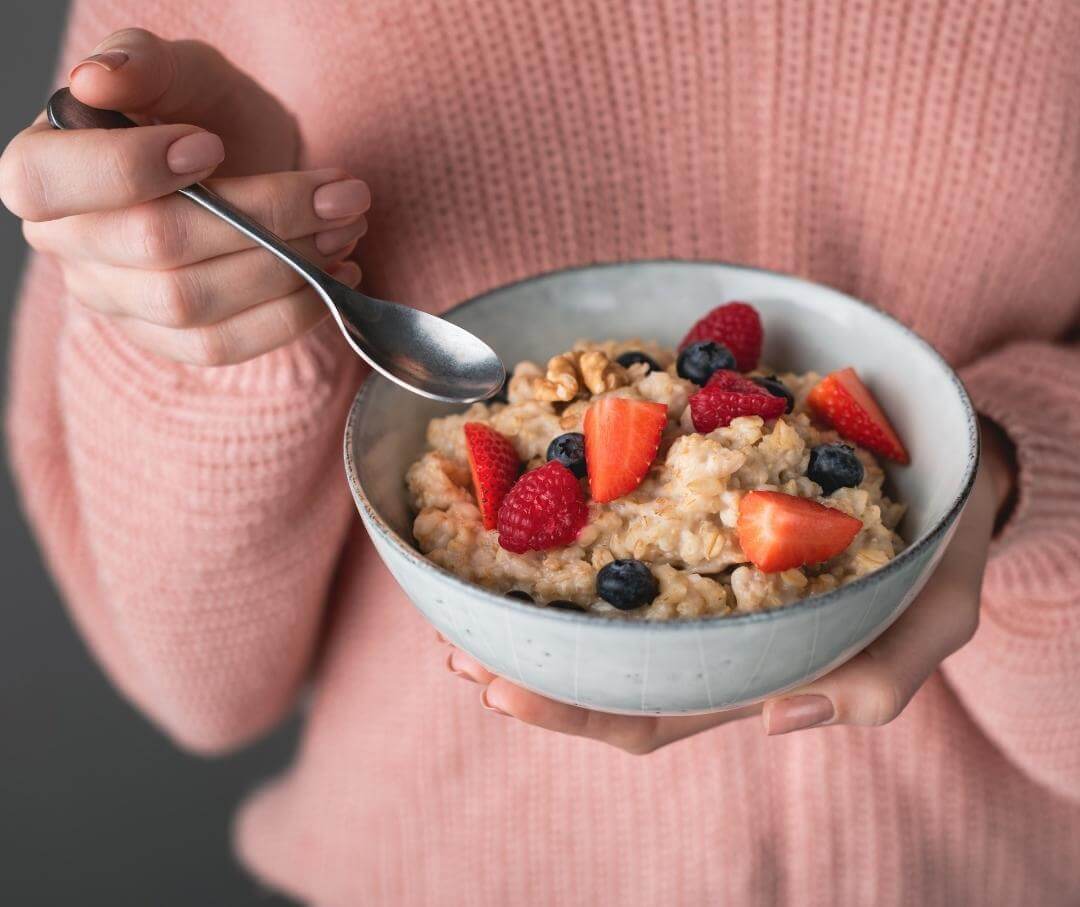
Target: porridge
(624, 478)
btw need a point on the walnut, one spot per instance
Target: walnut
(600, 373)
(563, 376)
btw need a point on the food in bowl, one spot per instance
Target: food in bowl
(628, 479)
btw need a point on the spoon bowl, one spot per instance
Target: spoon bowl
(423, 353)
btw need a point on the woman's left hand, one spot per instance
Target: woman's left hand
(871, 689)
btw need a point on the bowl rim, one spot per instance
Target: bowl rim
(805, 605)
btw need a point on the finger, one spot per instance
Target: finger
(172, 232)
(464, 665)
(875, 686)
(46, 173)
(203, 293)
(136, 71)
(638, 734)
(251, 333)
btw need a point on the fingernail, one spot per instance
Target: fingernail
(797, 713)
(195, 152)
(330, 241)
(109, 60)
(345, 198)
(450, 667)
(485, 702)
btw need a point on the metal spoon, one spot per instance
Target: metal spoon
(422, 353)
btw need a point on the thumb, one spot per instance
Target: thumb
(135, 71)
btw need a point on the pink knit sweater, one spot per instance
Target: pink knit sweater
(924, 155)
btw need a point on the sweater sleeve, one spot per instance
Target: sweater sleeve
(192, 517)
(1020, 675)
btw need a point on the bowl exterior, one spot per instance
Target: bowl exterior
(672, 669)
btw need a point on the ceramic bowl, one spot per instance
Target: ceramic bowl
(677, 667)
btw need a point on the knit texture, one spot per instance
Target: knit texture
(923, 155)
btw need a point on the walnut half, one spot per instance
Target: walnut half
(570, 374)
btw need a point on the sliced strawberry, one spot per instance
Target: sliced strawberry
(780, 531)
(728, 395)
(622, 437)
(737, 325)
(495, 467)
(545, 509)
(842, 400)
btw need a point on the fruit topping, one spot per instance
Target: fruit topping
(495, 467)
(698, 361)
(737, 326)
(545, 509)
(843, 401)
(622, 437)
(777, 388)
(569, 449)
(834, 466)
(729, 395)
(627, 584)
(633, 357)
(780, 531)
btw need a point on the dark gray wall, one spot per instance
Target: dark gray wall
(95, 807)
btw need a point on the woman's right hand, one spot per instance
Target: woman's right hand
(174, 278)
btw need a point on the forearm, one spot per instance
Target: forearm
(1020, 675)
(193, 517)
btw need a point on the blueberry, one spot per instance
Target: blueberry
(777, 388)
(627, 584)
(834, 466)
(699, 360)
(633, 357)
(569, 449)
(563, 605)
(518, 594)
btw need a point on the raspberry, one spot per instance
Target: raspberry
(729, 395)
(737, 326)
(544, 509)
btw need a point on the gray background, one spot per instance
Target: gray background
(95, 807)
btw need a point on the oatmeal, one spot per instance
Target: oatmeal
(675, 541)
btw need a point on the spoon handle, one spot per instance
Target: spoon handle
(65, 111)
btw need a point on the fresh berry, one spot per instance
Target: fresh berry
(545, 509)
(495, 467)
(633, 357)
(737, 326)
(569, 449)
(834, 466)
(622, 437)
(562, 604)
(519, 595)
(729, 395)
(699, 361)
(842, 400)
(777, 388)
(780, 531)
(626, 584)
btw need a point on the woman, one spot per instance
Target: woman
(177, 403)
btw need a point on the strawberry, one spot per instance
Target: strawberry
(622, 437)
(842, 401)
(495, 467)
(728, 395)
(780, 531)
(544, 509)
(737, 326)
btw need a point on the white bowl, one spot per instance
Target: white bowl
(677, 667)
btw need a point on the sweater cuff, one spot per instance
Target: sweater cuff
(1032, 390)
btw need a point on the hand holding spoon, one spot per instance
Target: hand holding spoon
(423, 353)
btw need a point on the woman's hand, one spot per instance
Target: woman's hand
(171, 276)
(870, 689)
